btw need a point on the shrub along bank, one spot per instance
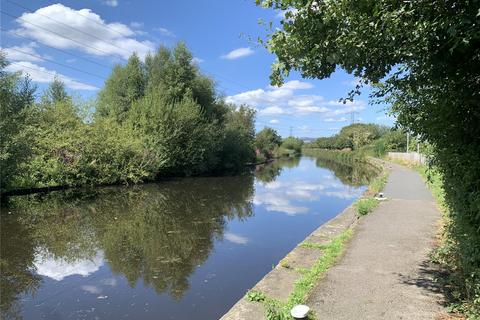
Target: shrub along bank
(152, 119)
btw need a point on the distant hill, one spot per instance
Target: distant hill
(307, 139)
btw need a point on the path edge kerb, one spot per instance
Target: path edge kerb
(279, 282)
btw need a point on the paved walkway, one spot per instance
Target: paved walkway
(385, 273)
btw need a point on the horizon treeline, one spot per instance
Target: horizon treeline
(161, 117)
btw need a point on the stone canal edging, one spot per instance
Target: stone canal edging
(279, 283)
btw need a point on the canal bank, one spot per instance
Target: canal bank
(182, 249)
(384, 273)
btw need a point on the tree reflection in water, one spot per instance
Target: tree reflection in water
(157, 233)
(269, 172)
(354, 174)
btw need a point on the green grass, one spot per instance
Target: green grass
(378, 183)
(312, 245)
(366, 205)
(277, 310)
(255, 296)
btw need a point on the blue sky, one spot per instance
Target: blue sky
(81, 40)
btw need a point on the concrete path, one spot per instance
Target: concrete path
(385, 273)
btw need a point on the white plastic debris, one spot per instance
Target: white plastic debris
(300, 311)
(380, 196)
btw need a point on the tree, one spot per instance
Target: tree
(174, 73)
(16, 97)
(239, 137)
(292, 143)
(266, 141)
(125, 85)
(423, 57)
(56, 92)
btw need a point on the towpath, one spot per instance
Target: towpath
(385, 273)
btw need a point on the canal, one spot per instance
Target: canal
(181, 249)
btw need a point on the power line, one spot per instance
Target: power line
(60, 22)
(88, 34)
(50, 73)
(58, 63)
(58, 34)
(106, 26)
(60, 50)
(94, 48)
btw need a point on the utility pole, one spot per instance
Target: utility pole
(408, 139)
(352, 116)
(291, 131)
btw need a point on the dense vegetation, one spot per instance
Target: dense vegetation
(269, 145)
(423, 58)
(152, 119)
(372, 138)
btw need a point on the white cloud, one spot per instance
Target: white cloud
(43, 75)
(345, 194)
(305, 129)
(311, 109)
(112, 282)
(235, 238)
(272, 110)
(91, 289)
(279, 195)
(285, 100)
(342, 119)
(238, 53)
(110, 3)
(165, 32)
(279, 203)
(58, 269)
(24, 52)
(197, 60)
(347, 107)
(78, 31)
(274, 121)
(295, 85)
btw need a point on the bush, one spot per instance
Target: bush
(292, 144)
(365, 206)
(16, 100)
(161, 118)
(266, 141)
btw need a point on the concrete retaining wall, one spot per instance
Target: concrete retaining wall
(279, 282)
(414, 157)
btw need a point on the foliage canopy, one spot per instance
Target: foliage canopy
(423, 58)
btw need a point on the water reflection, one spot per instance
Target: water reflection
(145, 233)
(17, 257)
(291, 195)
(110, 243)
(355, 174)
(270, 171)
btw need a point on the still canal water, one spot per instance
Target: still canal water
(183, 249)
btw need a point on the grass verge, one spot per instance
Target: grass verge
(277, 310)
(367, 203)
(365, 206)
